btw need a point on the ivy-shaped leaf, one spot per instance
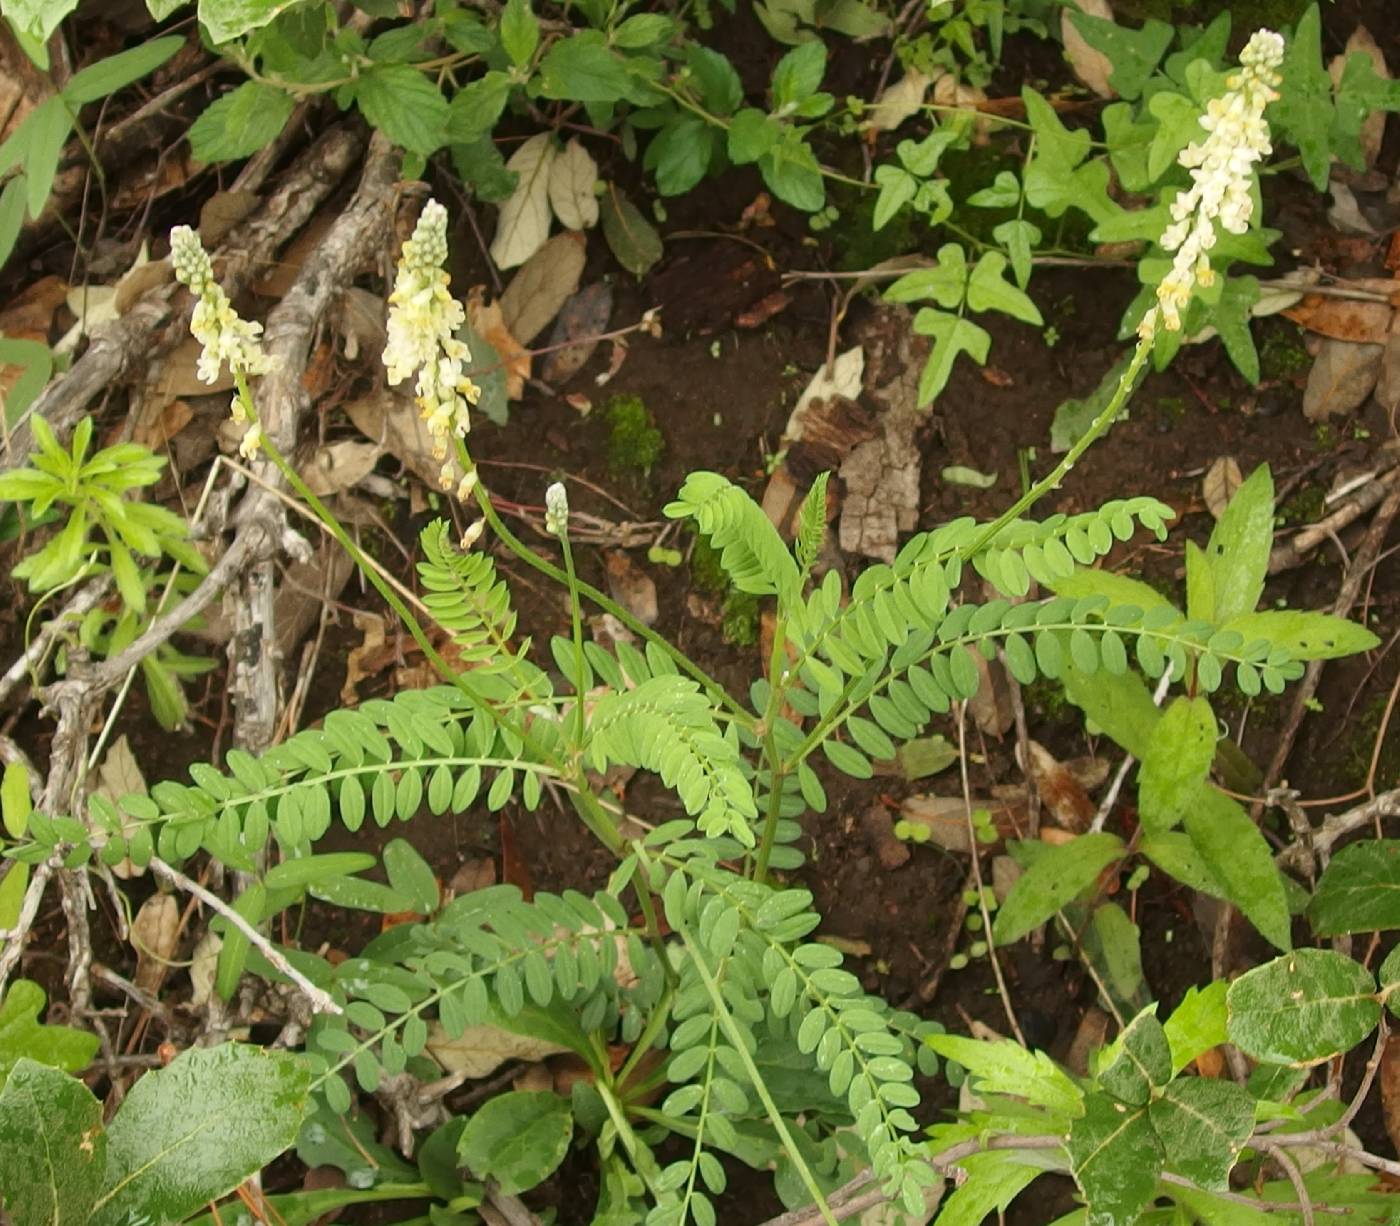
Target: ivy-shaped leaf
(1115, 1158)
(22, 1035)
(952, 335)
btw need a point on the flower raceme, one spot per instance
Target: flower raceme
(226, 338)
(1222, 176)
(424, 319)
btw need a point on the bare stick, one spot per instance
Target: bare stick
(86, 600)
(320, 1001)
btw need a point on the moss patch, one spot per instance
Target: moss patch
(635, 445)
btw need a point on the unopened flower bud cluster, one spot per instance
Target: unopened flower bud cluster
(1222, 176)
(226, 338)
(424, 319)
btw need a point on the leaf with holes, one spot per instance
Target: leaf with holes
(1057, 877)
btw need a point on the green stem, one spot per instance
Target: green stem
(577, 629)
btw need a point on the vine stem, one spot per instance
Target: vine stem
(576, 626)
(321, 1002)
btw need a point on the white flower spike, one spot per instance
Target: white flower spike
(1222, 176)
(556, 510)
(215, 325)
(424, 319)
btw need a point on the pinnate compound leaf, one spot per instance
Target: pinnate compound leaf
(193, 1131)
(517, 1139)
(240, 123)
(1239, 546)
(993, 1180)
(1115, 1158)
(1202, 1125)
(1057, 877)
(22, 1035)
(1179, 754)
(53, 1150)
(1302, 1008)
(1359, 891)
(1241, 859)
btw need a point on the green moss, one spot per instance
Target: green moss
(1282, 354)
(1171, 411)
(634, 443)
(1304, 507)
(739, 620)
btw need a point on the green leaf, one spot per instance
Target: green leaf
(1178, 124)
(53, 1150)
(1304, 111)
(12, 205)
(1128, 144)
(1119, 704)
(410, 874)
(1240, 857)
(405, 105)
(1057, 877)
(1133, 53)
(1142, 1061)
(1115, 1158)
(12, 887)
(476, 107)
(1054, 141)
(1359, 94)
(1231, 316)
(165, 1160)
(1197, 1024)
(15, 802)
(680, 155)
(1074, 416)
(1238, 550)
(581, 68)
(300, 873)
(520, 31)
(1004, 193)
(1202, 1125)
(945, 283)
(118, 71)
(46, 130)
(1114, 944)
(1304, 635)
(632, 238)
(1019, 237)
(1177, 762)
(799, 73)
(1008, 1068)
(240, 123)
(791, 171)
(23, 1036)
(986, 291)
(993, 1181)
(751, 135)
(1359, 891)
(517, 1139)
(952, 335)
(1302, 1008)
(38, 18)
(228, 19)
(720, 88)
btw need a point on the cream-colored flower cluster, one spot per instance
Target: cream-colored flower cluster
(1222, 176)
(225, 337)
(424, 319)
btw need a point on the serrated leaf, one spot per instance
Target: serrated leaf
(240, 123)
(523, 225)
(1302, 1008)
(1058, 876)
(1115, 1158)
(1008, 1068)
(1179, 754)
(582, 68)
(224, 20)
(53, 1150)
(164, 1160)
(1359, 890)
(1238, 550)
(405, 105)
(517, 1139)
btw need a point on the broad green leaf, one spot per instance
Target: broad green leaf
(410, 874)
(228, 19)
(23, 1036)
(1054, 141)
(12, 887)
(240, 123)
(53, 1150)
(116, 72)
(1200, 584)
(1302, 1008)
(1141, 1062)
(1177, 762)
(751, 135)
(680, 155)
(1057, 877)
(1133, 53)
(632, 238)
(12, 205)
(1178, 124)
(945, 283)
(1115, 1158)
(1202, 1125)
(799, 73)
(1303, 113)
(1118, 704)
(1019, 237)
(1231, 316)
(165, 1158)
(1074, 416)
(47, 130)
(1359, 891)
(1360, 94)
(581, 68)
(1197, 1024)
(37, 18)
(1004, 193)
(405, 105)
(720, 87)
(1008, 1068)
(476, 107)
(1305, 635)
(517, 1139)
(792, 173)
(1239, 546)
(1128, 145)
(15, 802)
(986, 291)
(1114, 944)
(520, 31)
(1241, 859)
(993, 1182)
(1120, 589)
(952, 335)
(161, 9)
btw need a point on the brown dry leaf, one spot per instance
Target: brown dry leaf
(360, 318)
(391, 419)
(119, 776)
(1211, 1063)
(900, 101)
(535, 1078)
(338, 466)
(1065, 800)
(1342, 376)
(480, 1050)
(175, 375)
(945, 818)
(282, 274)
(474, 874)
(1348, 319)
(878, 825)
(524, 220)
(22, 85)
(544, 283)
(1221, 481)
(156, 427)
(165, 171)
(1388, 382)
(948, 91)
(1005, 874)
(1090, 1036)
(142, 277)
(1390, 1088)
(371, 627)
(991, 706)
(222, 211)
(631, 586)
(488, 321)
(1372, 135)
(154, 934)
(584, 317)
(1090, 65)
(30, 314)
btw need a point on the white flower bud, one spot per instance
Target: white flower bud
(473, 534)
(556, 510)
(466, 485)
